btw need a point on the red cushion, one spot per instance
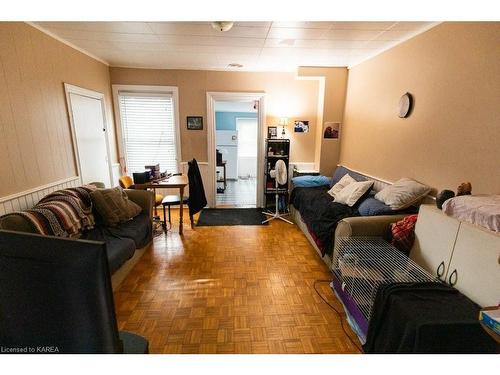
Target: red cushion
(403, 233)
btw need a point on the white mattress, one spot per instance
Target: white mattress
(482, 210)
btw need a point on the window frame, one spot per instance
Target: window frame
(147, 90)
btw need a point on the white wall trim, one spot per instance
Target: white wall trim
(366, 174)
(212, 97)
(72, 89)
(28, 198)
(304, 166)
(38, 188)
(173, 90)
(59, 39)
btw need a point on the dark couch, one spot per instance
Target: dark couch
(121, 242)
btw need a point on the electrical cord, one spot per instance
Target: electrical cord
(339, 314)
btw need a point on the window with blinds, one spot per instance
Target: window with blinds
(148, 131)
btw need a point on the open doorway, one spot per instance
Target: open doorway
(236, 132)
(235, 144)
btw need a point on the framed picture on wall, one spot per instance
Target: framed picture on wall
(272, 132)
(331, 130)
(301, 126)
(195, 122)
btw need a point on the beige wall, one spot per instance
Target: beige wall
(453, 134)
(331, 106)
(35, 142)
(285, 96)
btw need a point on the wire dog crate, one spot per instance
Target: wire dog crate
(360, 265)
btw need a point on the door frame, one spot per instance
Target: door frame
(212, 97)
(77, 90)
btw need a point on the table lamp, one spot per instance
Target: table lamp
(283, 122)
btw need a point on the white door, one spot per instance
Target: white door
(90, 136)
(247, 146)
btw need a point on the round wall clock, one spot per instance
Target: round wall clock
(405, 105)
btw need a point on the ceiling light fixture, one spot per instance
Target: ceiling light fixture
(222, 25)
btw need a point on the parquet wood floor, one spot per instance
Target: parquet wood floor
(239, 289)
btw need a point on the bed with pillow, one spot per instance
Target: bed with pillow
(319, 206)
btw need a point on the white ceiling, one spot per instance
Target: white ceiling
(258, 46)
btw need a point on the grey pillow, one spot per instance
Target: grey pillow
(403, 193)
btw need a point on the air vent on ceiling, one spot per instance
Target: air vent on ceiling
(235, 65)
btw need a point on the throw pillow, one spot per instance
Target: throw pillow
(403, 193)
(344, 181)
(353, 192)
(403, 233)
(341, 171)
(310, 181)
(114, 206)
(373, 207)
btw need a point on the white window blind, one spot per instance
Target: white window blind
(148, 131)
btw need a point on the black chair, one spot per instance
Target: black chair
(196, 200)
(56, 293)
(168, 201)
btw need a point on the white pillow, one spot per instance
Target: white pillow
(403, 193)
(343, 182)
(352, 192)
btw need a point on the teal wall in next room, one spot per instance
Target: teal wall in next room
(227, 120)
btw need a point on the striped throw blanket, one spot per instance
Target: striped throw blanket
(63, 213)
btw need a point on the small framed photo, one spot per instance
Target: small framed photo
(301, 126)
(272, 132)
(331, 130)
(195, 122)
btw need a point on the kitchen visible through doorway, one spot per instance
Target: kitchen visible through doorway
(236, 125)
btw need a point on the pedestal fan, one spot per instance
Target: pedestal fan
(279, 173)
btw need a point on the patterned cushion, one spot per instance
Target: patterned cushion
(337, 188)
(403, 233)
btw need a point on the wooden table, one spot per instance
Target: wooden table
(172, 182)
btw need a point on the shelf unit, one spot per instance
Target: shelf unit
(276, 149)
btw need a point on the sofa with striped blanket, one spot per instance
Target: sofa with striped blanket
(70, 213)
